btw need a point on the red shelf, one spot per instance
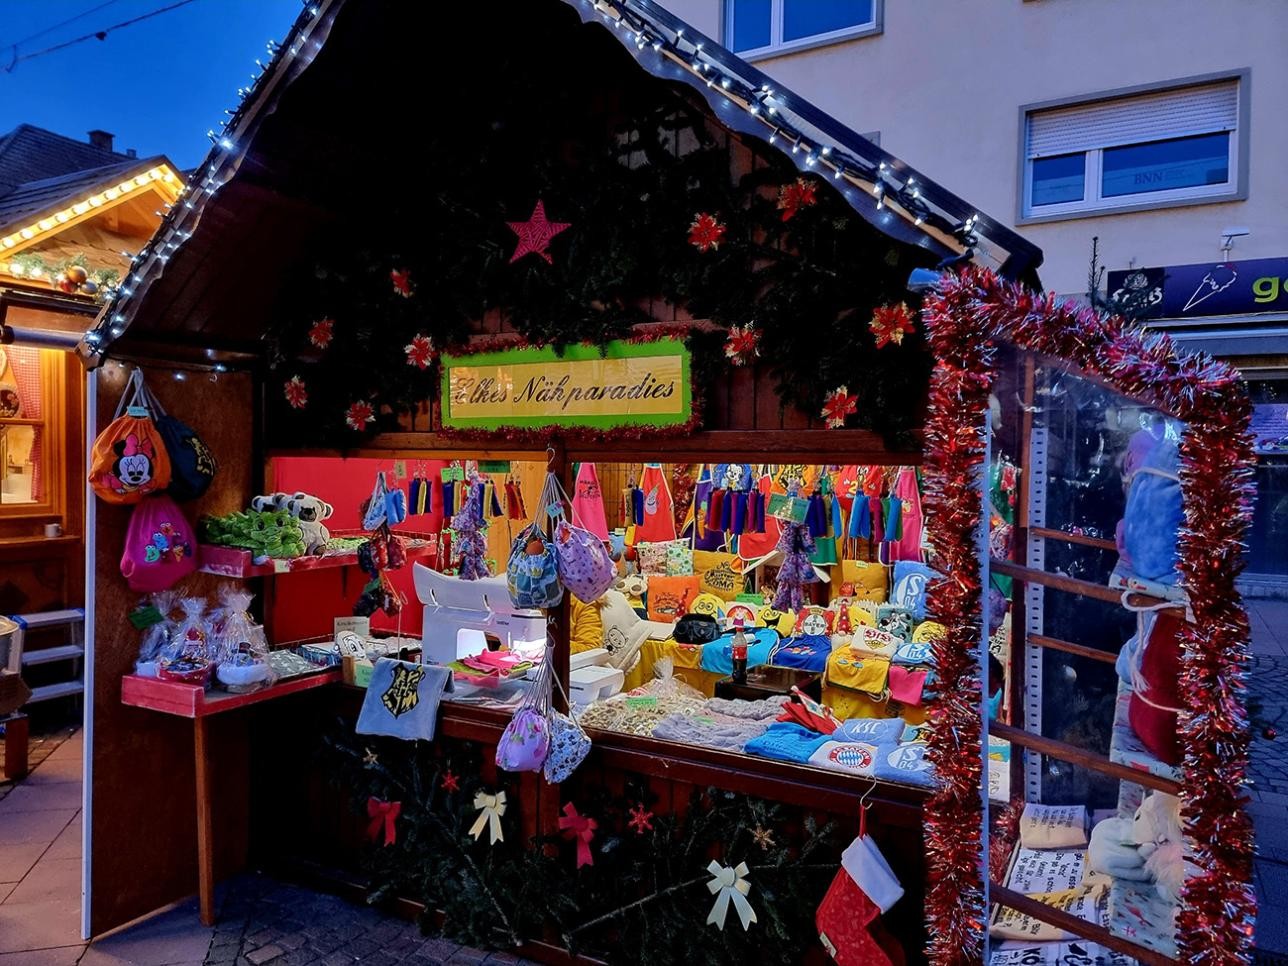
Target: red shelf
(235, 562)
(194, 701)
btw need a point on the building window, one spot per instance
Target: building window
(762, 27)
(1140, 150)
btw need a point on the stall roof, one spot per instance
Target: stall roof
(238, 209)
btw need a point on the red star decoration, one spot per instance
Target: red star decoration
(743, 344)
(321, 333)
(359, 414)
(706, 232)
(837, 405)
(793, 197)
(535, 234)
(419, 351)
(641, 820)
(402, 281)
(296, 392)
(450, 782)
(890, 323)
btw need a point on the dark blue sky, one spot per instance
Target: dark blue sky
(158, 85)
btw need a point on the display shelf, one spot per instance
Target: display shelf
(1140, 915)
(1125, 747)
(238, 563)
(1080, 756)
(194, 701)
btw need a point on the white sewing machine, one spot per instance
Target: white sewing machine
(462, 615)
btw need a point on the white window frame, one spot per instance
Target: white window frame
(777, 46)
(1093, 203)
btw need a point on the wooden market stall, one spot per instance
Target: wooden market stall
(587, 176)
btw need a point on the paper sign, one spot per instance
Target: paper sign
(647, 701)
(400, 469)
(494, 466)
(354, 625)
(789, 508)
(1035, 871)
(1089, 903)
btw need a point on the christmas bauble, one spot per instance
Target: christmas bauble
(67, 285)
(77, 274)
(89, 288)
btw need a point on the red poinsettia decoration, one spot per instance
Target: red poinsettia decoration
(793, 197)
(322, 332)
(359, 414)
(706, 232)
(297, 394)
(419, 351)
(641, 819)
(402, 282)
(450, 782)
(743, 344)
(890, 323)
(837, 405)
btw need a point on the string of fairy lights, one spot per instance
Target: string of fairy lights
(897, 192)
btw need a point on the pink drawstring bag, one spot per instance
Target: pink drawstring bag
(588, 502)
(585, 567)
(525, 743)
(160, 548)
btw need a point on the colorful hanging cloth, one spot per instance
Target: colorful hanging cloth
(588, 502)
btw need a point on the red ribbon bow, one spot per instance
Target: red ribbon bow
(581, 828)
(383, 814)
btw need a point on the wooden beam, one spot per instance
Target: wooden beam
(1079, 927)
(1055, 644)
(1078, 538)
(1080, 756)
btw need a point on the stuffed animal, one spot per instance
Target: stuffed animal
(1147, 848)
(266, 503)
(633, 586)
(272, 533)
(311, 512)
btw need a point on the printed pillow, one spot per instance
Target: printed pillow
(679, 558)
(708, 604)
(814, 620)
(859, 580)
(669, 597)
(652, 557)
(911, 580)
(780, 620)
(719, 573)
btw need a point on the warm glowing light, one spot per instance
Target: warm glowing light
(27, 233)
(111, 194)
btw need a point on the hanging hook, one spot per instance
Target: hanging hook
(550, 456)
(863, 810)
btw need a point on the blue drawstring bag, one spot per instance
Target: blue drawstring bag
(192, 464)
(532, 573)
(1154, 515)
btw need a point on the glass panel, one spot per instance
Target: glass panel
(1268, 541)
(20, 410)
(807, 18)
(1165, 165)
(749, 23)
(1058, 179)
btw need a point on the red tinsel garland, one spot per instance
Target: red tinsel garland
(1218, 905)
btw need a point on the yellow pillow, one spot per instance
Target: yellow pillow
(859, 580)
(587, 626)
(719, 573)
(928, 631)
(780, 620)
(708, 604)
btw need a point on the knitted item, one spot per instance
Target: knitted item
(765, 708)
(731, 734)
(784, 741)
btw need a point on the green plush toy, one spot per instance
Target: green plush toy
(266, 533)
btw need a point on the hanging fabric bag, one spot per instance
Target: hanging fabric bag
(525, 743)
(569, 743)
(129, 459)
(192, 465)
(532, 572)
(160, 547)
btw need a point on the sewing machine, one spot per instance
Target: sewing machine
(465, 617)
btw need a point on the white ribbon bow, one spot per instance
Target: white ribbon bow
(730, 884)
(493, 807)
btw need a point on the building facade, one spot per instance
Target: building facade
(1150, 127)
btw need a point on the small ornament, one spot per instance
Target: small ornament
(383, 816)
(66, 285)
(793, 197)
(370, 759)
(641, 819)
(76, 274)
(296, 392)
(358, 415)
(419, 351)
(491, 808)
(764, 837)
(706, 232)
(1270, 732)
(450, 782)
(730, 885)
(401, 279)
(89, 288)
(321, 333)
(890, 323)
(535, 234)
(743, 344)
(578, 827)
(837, 405)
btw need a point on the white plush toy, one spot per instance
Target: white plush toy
(311, 512)
(1149, 848)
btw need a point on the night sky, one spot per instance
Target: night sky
(158, 85)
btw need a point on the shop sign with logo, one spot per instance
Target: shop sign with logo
(1204, 289)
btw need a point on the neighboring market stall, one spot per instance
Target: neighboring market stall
(631, 367)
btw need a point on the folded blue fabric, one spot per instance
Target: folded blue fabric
(402, 699)
(785, 741)
(717, 656)
(808, 652)
(906, 764)
(876, 731)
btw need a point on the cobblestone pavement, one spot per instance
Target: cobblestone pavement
(267, 923)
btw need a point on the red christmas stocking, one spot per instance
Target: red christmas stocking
(848, 918)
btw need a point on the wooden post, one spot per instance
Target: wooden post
(205, 823)
(15, 746)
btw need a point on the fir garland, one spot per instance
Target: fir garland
(644, 898)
